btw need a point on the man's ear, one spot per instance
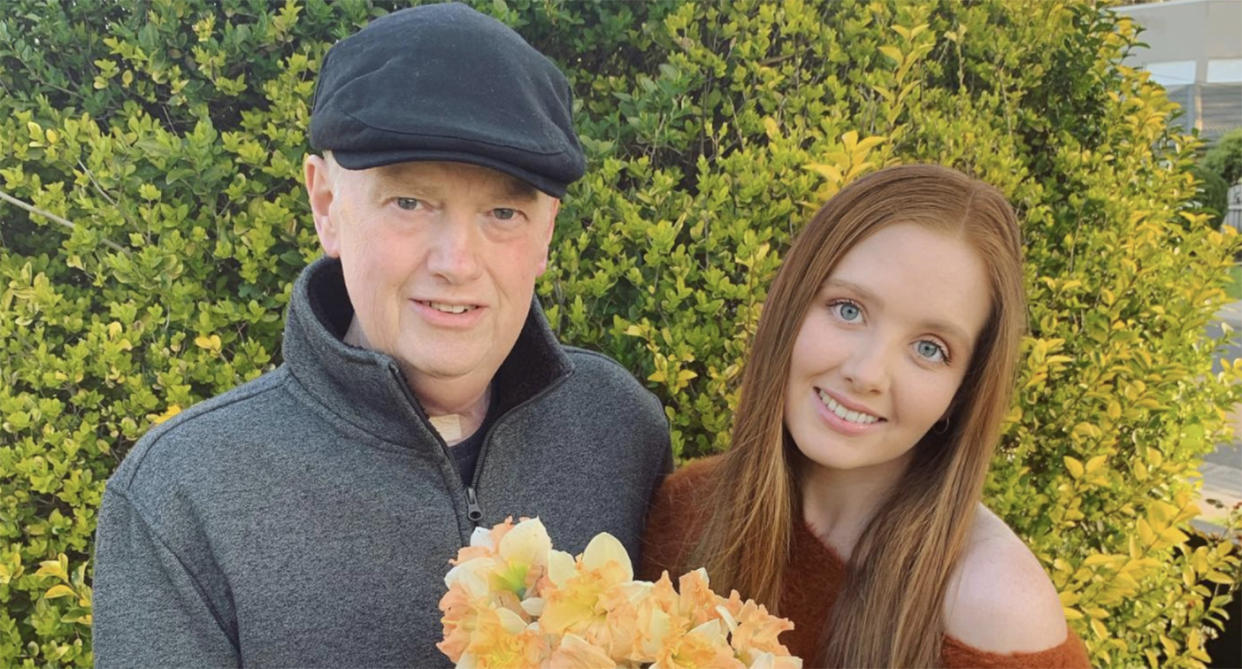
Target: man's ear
(547, 234)
(319, 176)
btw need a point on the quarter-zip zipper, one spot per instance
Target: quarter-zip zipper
(473, 511)
(474, 507)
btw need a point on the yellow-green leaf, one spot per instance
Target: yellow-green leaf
(830, 172)
(57, 591)
(1145, 533)
(53, 568)
(211, 343)
(172, 410)
(771, 127)
(1218, 577)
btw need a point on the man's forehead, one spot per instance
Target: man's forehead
(430, 174)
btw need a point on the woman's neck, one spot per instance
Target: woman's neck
(838, 503)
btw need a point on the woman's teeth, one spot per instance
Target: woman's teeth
(845, 414)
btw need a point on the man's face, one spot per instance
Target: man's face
(440, 261)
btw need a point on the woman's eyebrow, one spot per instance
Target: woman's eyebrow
(862, 291)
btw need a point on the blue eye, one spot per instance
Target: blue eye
(930, 350)
(847, 311)
(504, 213)
(409, 203)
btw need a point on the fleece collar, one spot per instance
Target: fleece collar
(367, 388)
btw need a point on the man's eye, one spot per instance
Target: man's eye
(930, 350)
(504, 213)
(409, 203)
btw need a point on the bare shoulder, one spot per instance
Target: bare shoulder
(1000, 599)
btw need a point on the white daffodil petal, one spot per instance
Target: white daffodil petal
(511, 621)
(710, 629)
(481, 537)
(526, 543)
(471, 575)
(533, 605)
(605, 548)
(561, 567)
(763, 661)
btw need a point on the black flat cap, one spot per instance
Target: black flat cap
(444, 82)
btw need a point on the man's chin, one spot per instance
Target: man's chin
(448, 367)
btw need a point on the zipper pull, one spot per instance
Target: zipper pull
(473, 511)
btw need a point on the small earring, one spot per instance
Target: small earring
(941, 426)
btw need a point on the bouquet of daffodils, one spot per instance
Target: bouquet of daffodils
(514, 601)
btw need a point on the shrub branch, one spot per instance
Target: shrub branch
(53, 217)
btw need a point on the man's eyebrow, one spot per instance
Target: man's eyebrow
(516, 189)
(933, 324)
(389, 178)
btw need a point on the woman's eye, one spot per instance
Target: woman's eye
(847, 311)
(930, 350)
(409, 203)
(504, 213)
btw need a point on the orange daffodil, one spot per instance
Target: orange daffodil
(514, 601)
(499, 570)
(590, 598)
(753, 632)
(502, 639)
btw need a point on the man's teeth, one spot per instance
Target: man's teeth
(449, 308)
(845, 414)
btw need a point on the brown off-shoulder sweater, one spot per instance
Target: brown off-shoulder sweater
(673, 525)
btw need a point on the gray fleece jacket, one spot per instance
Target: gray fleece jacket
(307, 518)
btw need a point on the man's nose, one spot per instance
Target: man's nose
(866, 369)
(454, 252)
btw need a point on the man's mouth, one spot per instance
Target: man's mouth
(445, 307)
(847, 415)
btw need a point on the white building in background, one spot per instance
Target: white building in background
(1196, 54)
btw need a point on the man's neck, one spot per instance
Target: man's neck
(457, 407)
(456, 421)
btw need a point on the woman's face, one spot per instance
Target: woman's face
(884, 347)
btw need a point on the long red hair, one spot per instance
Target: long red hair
(890, 611)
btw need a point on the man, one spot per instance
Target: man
(307, 518)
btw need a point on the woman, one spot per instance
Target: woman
(870, 407)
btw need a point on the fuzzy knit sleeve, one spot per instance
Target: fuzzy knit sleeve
(1070, 654)
(675, 521)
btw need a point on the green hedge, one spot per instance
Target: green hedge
(1225, 158)
(162, 146)
(1213, 195)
